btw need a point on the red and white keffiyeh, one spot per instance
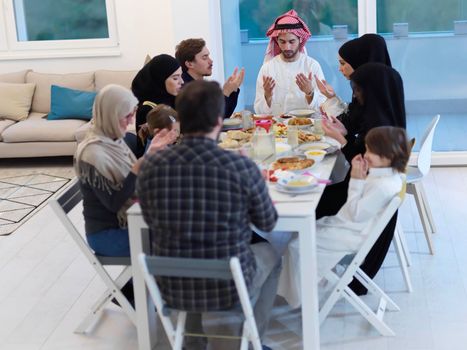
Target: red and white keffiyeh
(288, 22)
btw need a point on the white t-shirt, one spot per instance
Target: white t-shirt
(286, 94)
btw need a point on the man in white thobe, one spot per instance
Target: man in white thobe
(286, 79)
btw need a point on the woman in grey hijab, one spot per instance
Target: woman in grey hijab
(107, 170)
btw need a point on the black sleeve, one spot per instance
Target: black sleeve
(141, 114)
(115, 200)
(355, 145)
(230, 103)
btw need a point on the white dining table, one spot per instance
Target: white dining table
(296, 214)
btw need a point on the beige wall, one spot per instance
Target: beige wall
(144, 27)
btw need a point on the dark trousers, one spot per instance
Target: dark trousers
(333, 198)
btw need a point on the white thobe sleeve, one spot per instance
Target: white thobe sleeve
(261, 107)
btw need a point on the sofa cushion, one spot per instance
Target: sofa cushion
(70, 103)
(123, 78)
(4, 123)
(15, 100)
(38, 128)
(44, 81)
(15, 77)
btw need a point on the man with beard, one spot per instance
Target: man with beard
(194, 57)
(286, 79)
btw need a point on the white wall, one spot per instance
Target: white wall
(144, 27)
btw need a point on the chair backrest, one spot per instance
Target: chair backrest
(424, 155)
(191, 268)
(62, 205)
(71, 197)
(376, 227)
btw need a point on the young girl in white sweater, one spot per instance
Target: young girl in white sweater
(375, 179)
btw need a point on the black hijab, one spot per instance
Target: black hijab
(356, 52)
(149, 83)
(367, 48)
(383, 95)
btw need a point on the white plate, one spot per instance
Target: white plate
(301, 113)
(280, 188)
(327, 144)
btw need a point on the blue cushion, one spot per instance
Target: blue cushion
(68, 103)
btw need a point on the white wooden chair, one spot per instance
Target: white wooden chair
(341, 288)
(62, 205)
(152, 266)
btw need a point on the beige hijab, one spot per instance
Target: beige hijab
(103, 160)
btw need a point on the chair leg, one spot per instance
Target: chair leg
(423, 217)
(375, 320)
(180, 330)
(374, 289)
(405, 247)
(402, 259)
(98, 306)
(427, 208)
(334, 296)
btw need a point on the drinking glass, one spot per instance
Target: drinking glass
(292, 135)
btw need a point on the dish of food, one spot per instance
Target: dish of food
(280, 130)
(300, 122)
(262, 117)
(307, 137)
(235, 139)
(292, 163)
(298, 183)
(232, 122)
(316, 154)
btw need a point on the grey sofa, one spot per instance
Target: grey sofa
(36, 136)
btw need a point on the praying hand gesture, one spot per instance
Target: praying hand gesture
(304, 83)
(268, 85)
(359, 168)
(325, 88)
(233, 83)
(334, 128)
(160, 140)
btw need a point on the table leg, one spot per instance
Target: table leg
(145, 310)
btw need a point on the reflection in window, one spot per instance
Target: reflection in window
(319, 15)
(60, 20)
(421, 15)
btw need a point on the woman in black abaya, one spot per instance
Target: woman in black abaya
(378, 100)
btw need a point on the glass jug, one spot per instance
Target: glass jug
(264, 142)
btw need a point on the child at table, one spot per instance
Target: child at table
(159, 118)
(375, 179)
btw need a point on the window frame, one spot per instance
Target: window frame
(12, 48)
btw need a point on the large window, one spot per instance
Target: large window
(421, 15)
(31, 25)
(428, 52)
(320, 15)
(71, 20)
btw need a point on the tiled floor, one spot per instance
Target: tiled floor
(46, 287)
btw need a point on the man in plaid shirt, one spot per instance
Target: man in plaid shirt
(199, 201)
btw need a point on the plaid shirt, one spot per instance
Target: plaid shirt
(199, 201)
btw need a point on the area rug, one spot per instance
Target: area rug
(22, 196)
